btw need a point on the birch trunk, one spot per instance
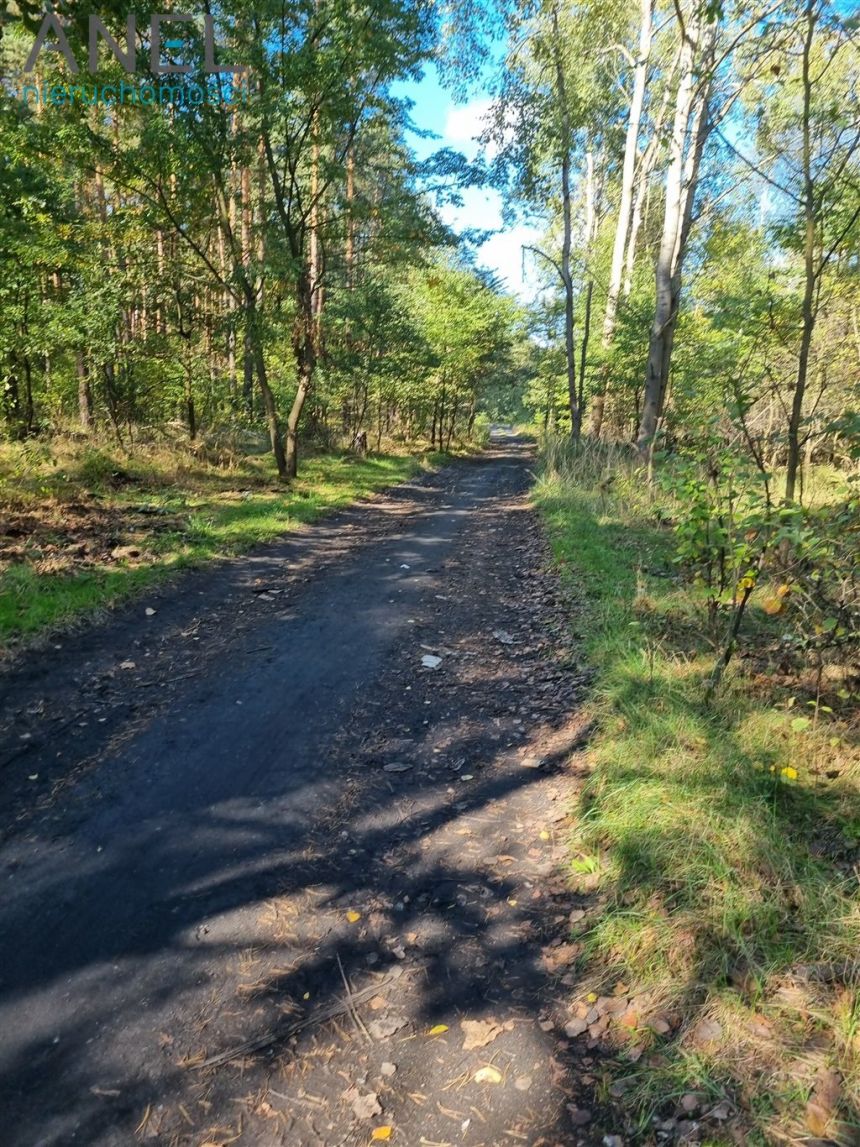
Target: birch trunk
(688, 137)
(622, 225)
(567, 236)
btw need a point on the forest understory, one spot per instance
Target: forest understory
(86, 525)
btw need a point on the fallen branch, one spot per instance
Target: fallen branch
(350, 1003)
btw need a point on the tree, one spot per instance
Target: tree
(689, 131)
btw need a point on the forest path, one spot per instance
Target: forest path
(218, 812)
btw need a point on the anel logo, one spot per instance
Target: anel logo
(51, 26)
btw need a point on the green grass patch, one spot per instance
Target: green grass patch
(722, 843)
(66, 513)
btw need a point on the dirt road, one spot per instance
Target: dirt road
(342, 759)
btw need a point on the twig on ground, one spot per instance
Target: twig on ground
(259, 1042)
(353, 1014)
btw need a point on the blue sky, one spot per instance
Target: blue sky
(457, 126)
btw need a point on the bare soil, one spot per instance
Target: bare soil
(228, 816)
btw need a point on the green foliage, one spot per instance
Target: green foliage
(211, 267)
(206, 521)
(717, 837)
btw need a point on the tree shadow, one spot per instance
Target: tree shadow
(199, 891)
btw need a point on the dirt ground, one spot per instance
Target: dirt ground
(284, 852)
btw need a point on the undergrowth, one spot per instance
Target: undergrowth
(83, 528)
(723, 839)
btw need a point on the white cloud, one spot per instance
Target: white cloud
(464, 123)
(502, 253)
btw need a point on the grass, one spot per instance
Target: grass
(67, 513)
(723, 844)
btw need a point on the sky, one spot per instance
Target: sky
(458, 126)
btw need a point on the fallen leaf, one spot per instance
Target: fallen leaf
(381, 1134)
(561, 956)
(575, 1028)
(366, 1106)
(479, 1033)
(659, 1025)
(706, 1031)
(437, 1029)
(352, 916)
(823, 1102)
(387, 1026)
(488, 1074)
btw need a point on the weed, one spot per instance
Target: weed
(726, 838)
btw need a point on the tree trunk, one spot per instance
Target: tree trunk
(623, 223)
(567, 235)
(810, 276)
(304, 348)
(586, 331)
(350, 220)
(643, 174)
(85, 394)
(688, 137)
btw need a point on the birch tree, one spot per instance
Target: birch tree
(625, 206)
(690, 128)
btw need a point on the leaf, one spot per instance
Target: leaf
(488, 1074)
(366, 1106)
(707, 1031)
(382, 1134)
(437, 1029)
(387, 1026)
(823, 1102)
(352, 915)
(479, 1033)
(799, 724)
(560, 956)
